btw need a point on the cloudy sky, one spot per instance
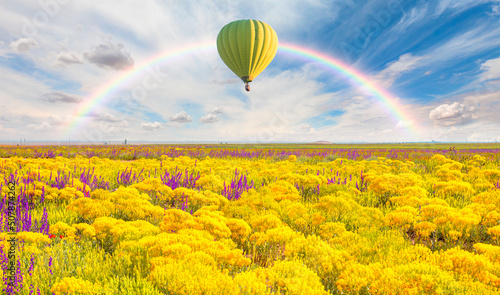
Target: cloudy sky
(439, 61)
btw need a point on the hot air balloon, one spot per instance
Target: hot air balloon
(247, 47)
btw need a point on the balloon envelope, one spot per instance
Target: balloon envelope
(247, 47)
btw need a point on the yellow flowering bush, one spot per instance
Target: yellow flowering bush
(116, 230)
(303, 180)
(390, 183)
(155, 188)
(336, 208)
(85, 230)
(354, 278)
(211, 182)
(403, 217)
(488, 197)
(495, 233)
(173, 220)
(91, 208)
(192, 276)
(262, 223)
(318, 256)
(250, 283)
(33, 238)
(477, 160)
(453, 187)
(69, 194)
(491, 251)
(291, 277)
(64, 229)
(425, 228)
(240, 230)
(468, 265)
(213, 222)
(330, 230)
(282, 190)
(410, 196)
(72, 285)
(177, 245)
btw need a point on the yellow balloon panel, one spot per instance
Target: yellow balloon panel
(247, 47)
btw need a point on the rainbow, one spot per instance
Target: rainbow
(104, 92)
(387, 99)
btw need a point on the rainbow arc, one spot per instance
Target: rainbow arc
(335, 65)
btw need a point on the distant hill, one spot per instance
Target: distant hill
(323, 142)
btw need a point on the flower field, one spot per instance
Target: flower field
(242, 220)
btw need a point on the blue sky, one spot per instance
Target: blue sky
(439, 59)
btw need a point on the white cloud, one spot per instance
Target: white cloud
(209, 118)
(477, 39)
(67, 57)
(58, 96)
(470, 42)
(403, 124)
(110, 127)
(78, 28)
(483, 137)
(40, 127)
(495, 9)
(456, 6)
(406, 63)
(485, 106)
(491, 69)
(110, 56)
(60, 120)
(181, 117)
(452, 114)
(486, 82)
(217, 110)
(151, 126)
(106, 117)
(416, 15)
(24, 44)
